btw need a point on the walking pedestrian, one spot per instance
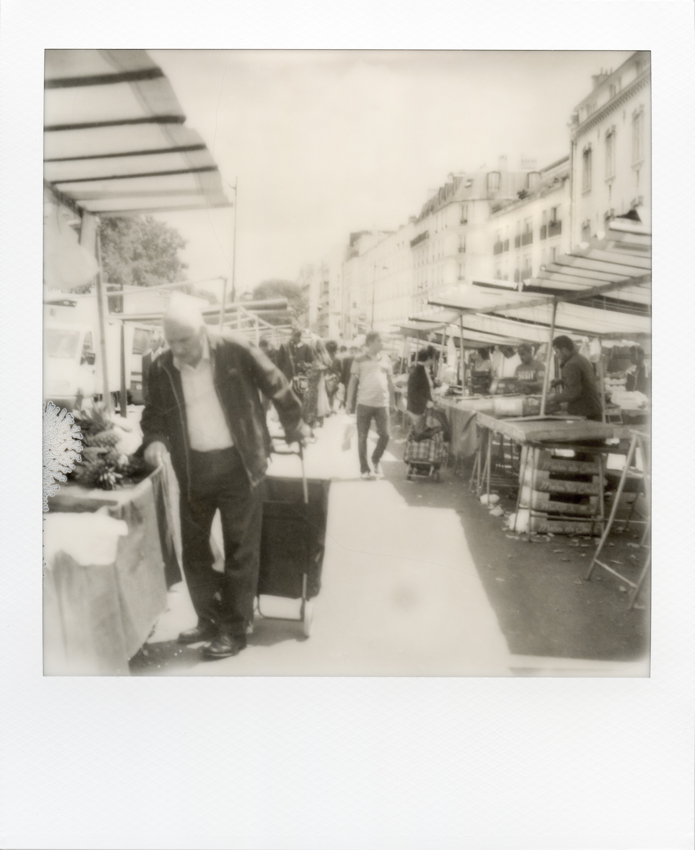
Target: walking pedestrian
(204, 408)
(371, 387)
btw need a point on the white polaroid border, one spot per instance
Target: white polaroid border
(346, 763)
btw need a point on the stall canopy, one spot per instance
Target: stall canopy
(602, 289)
(114, 137)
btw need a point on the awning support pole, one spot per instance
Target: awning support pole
(101, 304)
(602, 384)
(124, 389)
(548, 364)
(463, 359)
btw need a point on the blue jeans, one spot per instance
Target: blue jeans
(364, 420)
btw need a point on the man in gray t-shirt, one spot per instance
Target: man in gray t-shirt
(371, 381)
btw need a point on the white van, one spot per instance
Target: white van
(69, 374)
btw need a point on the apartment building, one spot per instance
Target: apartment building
(533, 230)
(611, 150)
(506, 224)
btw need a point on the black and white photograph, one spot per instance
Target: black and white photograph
(357, 394)
(331, 327)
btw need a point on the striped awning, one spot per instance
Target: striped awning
(115, 140)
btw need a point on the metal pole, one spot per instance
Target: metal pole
(224, 298)
(101, 304)
(602, 388)
(546, 378)
(124, 389)
(463, 359)
(234, 243)
(373, 291)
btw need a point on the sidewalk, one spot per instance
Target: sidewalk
(400, 594)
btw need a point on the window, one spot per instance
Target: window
(553, 215)
(141, 341)
(493, 181)
(586, 169)
(638, 135)
(610, 153)
(553, 255)
(464, 213)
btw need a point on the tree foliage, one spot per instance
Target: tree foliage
(141, 251)
(297, 301)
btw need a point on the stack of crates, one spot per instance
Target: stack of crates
(563, 495)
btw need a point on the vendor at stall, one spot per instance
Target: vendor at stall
(481, 372)
(637, 378)
(529, 373)
(577, 384)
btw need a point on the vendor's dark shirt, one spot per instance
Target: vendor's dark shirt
(579, 388)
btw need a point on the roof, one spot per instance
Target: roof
(115, 140)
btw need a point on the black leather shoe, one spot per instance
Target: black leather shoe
(199, 633)
(224, 646)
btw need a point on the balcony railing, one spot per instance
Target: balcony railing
(555, 228)
(544, 231)
(498, 247)
(527, 238)
(420, 238)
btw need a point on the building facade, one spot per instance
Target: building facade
(611, 150)
(532, 231)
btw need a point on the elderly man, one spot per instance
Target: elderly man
(204, 407)
(578, 382)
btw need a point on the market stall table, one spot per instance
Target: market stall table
(98, 608)
(544, 434)
(462, 411)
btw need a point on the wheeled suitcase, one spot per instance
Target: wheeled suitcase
(426, 451)
(293, 538)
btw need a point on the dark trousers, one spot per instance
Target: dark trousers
(364, 420)
(219, 481)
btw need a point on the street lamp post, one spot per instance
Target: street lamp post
(224, 285)
(375, 267)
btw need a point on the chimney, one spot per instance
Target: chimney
(597, 79)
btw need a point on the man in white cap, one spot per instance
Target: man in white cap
(204, 408)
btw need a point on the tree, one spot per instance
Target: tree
(297, 301)
(140, 251)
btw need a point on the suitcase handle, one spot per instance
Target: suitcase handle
(299, 451)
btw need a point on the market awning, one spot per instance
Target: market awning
(603, 289)
(114, 137)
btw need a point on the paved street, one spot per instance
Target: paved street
(401, 594)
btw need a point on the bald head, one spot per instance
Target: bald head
(184, 328)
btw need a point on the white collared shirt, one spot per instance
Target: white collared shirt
(207, 426)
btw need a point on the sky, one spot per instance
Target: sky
(323, 143)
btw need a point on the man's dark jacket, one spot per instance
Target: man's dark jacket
(239, 372)
(579, 388)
